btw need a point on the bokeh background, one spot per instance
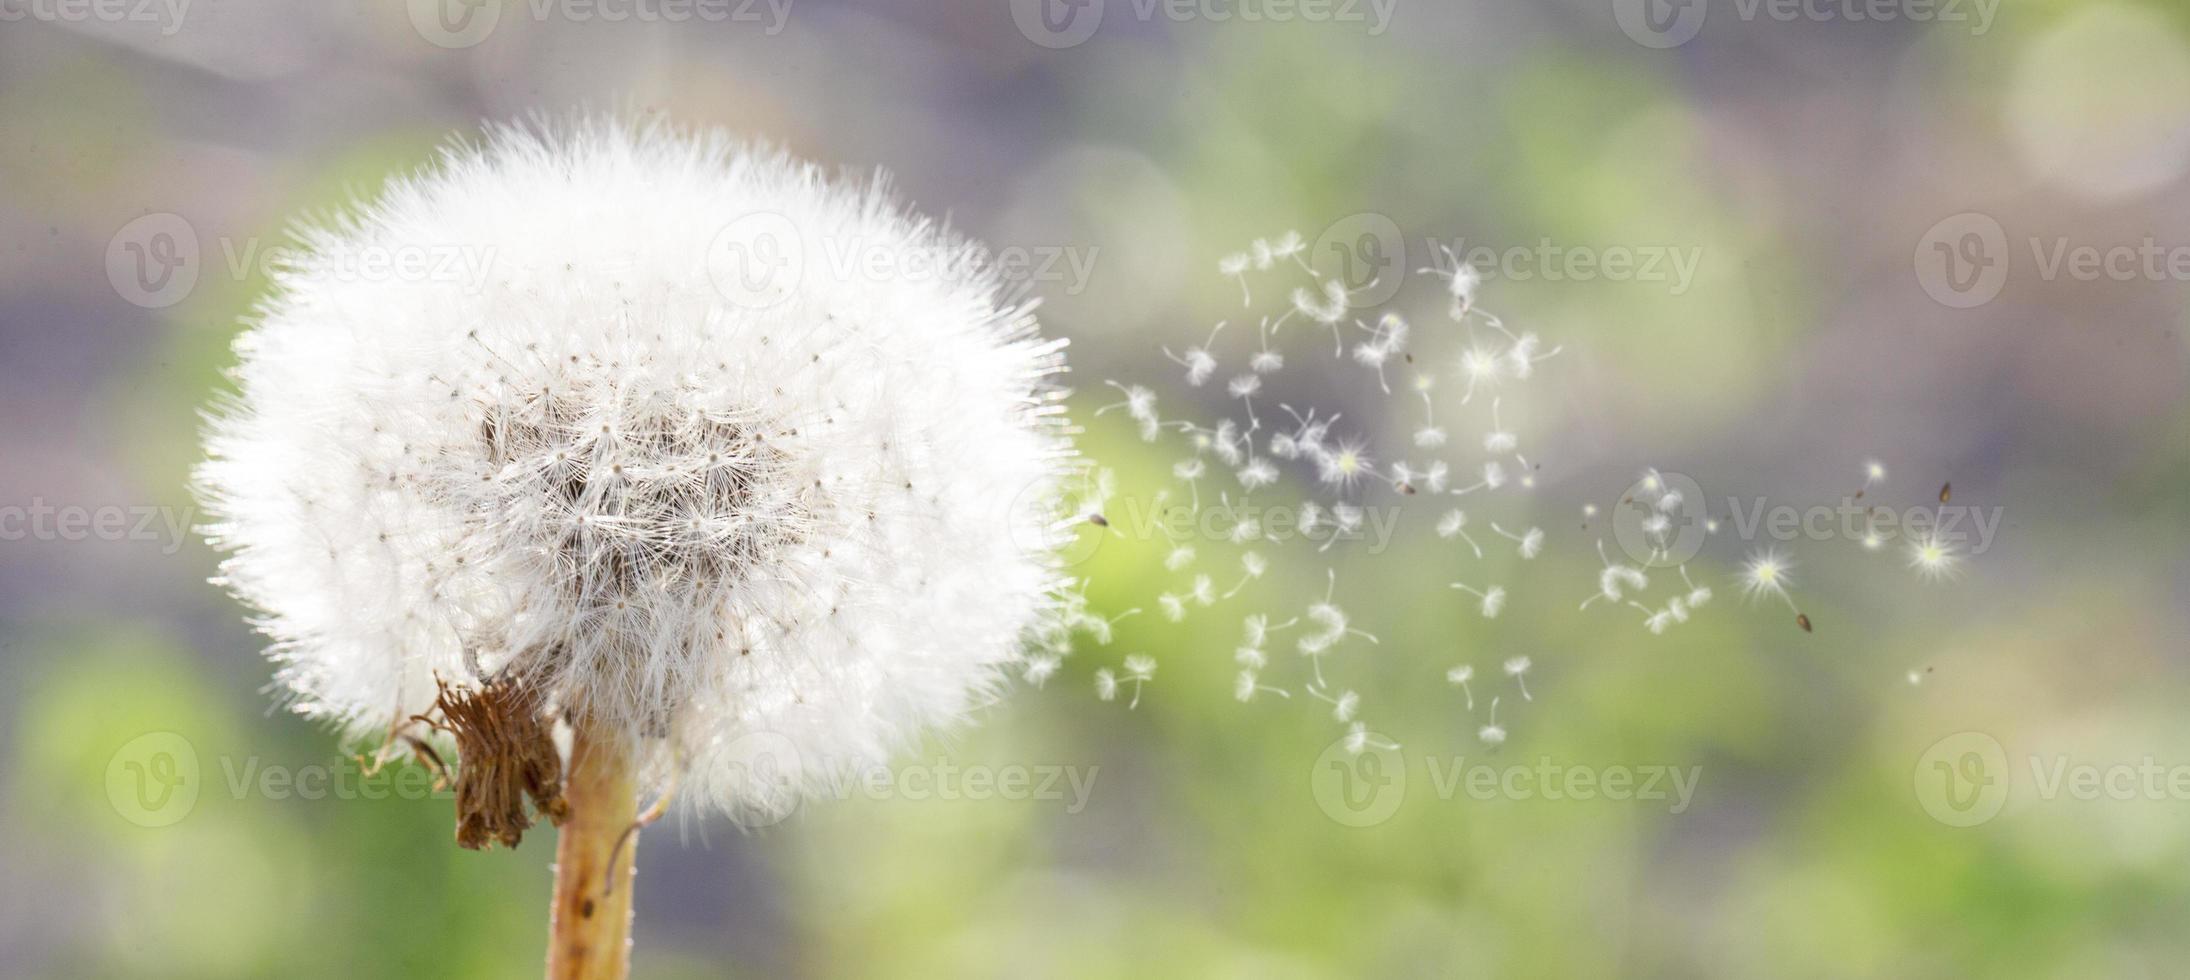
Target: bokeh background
(1807, 162)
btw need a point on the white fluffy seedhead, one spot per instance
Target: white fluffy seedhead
(771, 535)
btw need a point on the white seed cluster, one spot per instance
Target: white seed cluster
(1301, 449)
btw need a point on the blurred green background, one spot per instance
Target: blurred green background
(1803, 160)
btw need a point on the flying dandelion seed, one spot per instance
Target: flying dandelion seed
(1140, 406)
(1461, 282)
(1343, 468)
(1039, 669)
(1173, 606)
(1454, 524)
(1874, 473)
(1498, 440)
(1234, 266)
(1492, 599)
(1248, 684)
(1518, 668)
(1531, 540)
(1615, 579)
(1199, 363)
(1482, 368)
(1343, 707)
(1492, 733)
(1358, 740)
(1767, 573)
(1140, 668)
(1698, 595)
(1935, 560)
(1494, 476)
(1252, 567)
(1460, 677)
(1178, 557)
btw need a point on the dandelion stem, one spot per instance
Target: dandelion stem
(589, 930)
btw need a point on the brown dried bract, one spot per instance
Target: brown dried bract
(505, 753)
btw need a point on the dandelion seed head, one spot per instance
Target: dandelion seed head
(687, 512)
